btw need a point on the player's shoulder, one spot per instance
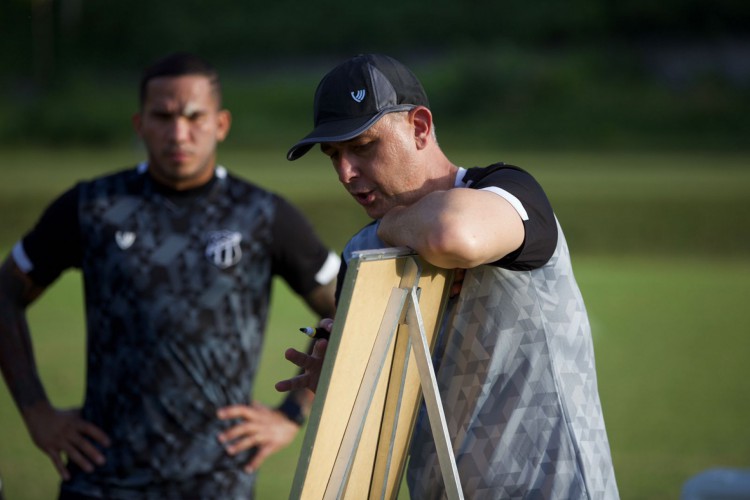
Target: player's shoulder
(97, 185)
(128, 176)
(241, 187)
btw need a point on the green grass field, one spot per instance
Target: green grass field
(660, 246)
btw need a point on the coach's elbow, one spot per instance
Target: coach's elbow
(452, 248)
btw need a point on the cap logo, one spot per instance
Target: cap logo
(358, 95)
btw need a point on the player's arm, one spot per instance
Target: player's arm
(58, 433)
(35, 263)
(321, 299)
(459, 228)
(17, 292)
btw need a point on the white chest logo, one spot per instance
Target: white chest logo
(124, 239)
(224, 249)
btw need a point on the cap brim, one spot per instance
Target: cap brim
(339, 130)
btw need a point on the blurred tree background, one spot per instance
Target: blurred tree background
(545, 74)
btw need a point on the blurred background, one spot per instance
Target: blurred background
(577, 74)
(634, 115)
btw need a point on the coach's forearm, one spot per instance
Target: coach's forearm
(432, 229)
(460, 228)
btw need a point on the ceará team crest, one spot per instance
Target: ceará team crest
(223, 248)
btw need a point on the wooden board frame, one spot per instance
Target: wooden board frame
(376, 368)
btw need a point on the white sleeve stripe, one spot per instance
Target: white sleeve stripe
(460, 177)
(329, 270)
(510, 199)
(22, 260)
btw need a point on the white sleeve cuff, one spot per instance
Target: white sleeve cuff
(22, 260)
(515, 202)
(329, 270)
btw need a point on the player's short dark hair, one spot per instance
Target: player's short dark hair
(181, 64)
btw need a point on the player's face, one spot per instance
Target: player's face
(379, 168)
(181, 124)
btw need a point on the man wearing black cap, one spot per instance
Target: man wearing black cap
(515, 364)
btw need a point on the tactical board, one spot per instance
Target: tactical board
(376, 368)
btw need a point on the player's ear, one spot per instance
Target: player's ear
(224, 123)
(136, 121)
(421, 119)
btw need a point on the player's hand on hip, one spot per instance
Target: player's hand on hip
(63, 433)
(262, 427)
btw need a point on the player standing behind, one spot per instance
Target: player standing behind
(177, 257)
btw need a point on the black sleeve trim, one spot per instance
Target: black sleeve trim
(54, 243)
(298, 253)
(540, 239)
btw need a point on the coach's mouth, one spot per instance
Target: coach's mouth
(364, 197)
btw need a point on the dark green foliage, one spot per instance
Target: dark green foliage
(505, 97)
(581, 74)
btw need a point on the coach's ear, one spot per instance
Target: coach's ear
(421, 119)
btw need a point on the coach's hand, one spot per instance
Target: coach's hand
(458, 282)
(310, 363)
(63, 433)
(268, 429)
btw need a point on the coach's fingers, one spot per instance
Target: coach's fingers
(292, 384)
(315, 364)
(326, 324)
(311, 366)
(300, 359)
(319, 351)
(458, 282)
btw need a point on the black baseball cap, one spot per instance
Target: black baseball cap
(356, 94)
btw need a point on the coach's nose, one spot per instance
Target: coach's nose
(346, 167)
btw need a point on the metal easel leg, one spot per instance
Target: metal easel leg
(432, 399)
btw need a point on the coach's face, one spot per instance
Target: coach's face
(380, 168)
(181, 124)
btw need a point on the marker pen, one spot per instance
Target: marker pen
(314, 333)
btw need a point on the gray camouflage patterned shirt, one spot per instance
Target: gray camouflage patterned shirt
(515, 368)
